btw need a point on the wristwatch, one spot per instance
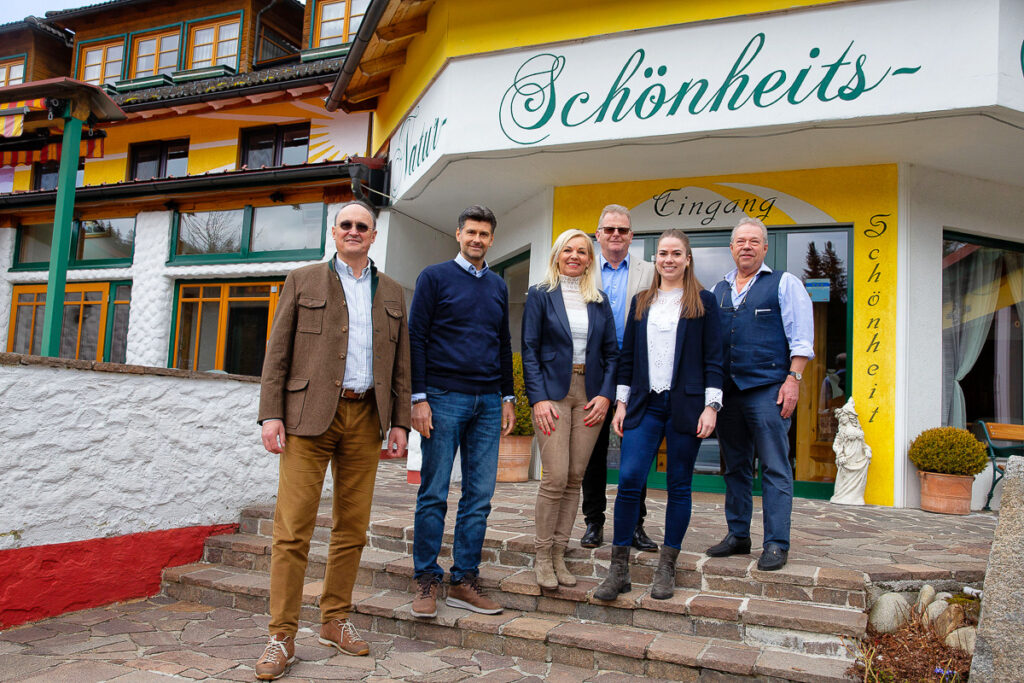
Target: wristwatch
(716, 405)
(799, 376)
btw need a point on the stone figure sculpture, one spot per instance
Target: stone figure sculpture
(852, 457)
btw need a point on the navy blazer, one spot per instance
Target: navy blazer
(547, 347)
(698, 364)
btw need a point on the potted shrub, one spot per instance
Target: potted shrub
(947, 459)
(516, 449)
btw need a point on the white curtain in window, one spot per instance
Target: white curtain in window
(970, 289)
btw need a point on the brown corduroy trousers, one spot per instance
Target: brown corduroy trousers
(351, 445)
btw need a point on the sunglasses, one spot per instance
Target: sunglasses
(346, 226)
(611, 230)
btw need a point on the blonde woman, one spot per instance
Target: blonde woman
(569, 359)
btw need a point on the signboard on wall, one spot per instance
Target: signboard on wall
(810, 68)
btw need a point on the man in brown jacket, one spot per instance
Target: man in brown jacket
(335, 378)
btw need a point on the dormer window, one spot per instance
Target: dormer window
(12, 72)
(338, 21)
(101, 64)
(214, 43)
(156, 54)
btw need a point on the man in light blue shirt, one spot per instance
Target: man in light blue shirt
(620, 277)
(768, 336)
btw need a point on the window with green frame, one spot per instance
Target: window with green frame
(94, 324)
(95, 243)
(279, 232)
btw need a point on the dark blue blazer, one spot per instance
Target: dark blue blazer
(698, 365)
(547, 347)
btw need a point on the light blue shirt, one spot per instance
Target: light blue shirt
(472, 270)
(359, 361)
(796, 307)
(469, 267)
(614, 282)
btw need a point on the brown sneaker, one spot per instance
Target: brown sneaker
(469, 595)
(276, 658)
(425, 604)
(340, 633)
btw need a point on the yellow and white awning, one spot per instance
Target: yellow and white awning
(12, 115)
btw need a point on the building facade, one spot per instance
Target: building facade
(880, 142)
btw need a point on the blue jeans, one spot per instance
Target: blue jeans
(750, 424)
(470, 423)
(639, 447)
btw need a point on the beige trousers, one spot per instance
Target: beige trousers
(564, 455)
(351, 445)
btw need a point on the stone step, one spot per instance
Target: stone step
(793, 625)
(733, 575)
(533, 632)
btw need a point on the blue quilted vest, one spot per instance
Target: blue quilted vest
(756, 348)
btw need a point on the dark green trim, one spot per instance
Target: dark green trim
(500, 267)
(108, 336)
(107, 39)
(199, 282)
(75, 264)
(63, 219)
(24, 62)
(214, 17)
(244, 255)
(991, 242)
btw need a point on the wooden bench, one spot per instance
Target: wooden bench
(995, 431)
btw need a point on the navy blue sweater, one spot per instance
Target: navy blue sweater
(458, 332)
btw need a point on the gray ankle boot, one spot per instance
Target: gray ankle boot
(617, 580)
(665, 575)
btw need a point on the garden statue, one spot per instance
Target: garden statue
(852, 457)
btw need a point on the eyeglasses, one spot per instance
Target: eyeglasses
(611, 230)
(346, 226)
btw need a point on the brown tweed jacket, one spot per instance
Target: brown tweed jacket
(305, 361)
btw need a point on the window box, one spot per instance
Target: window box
(326, 52)
(216, 71)
(151, 81)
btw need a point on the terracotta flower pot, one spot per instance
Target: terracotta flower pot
(946, 493)
(514, 454)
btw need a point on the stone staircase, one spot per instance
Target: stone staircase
(725, 618)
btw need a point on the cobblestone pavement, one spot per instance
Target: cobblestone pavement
(864, 538)
(158, 639)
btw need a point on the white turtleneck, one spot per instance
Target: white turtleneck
(576, 310)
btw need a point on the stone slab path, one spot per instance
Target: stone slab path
(870, 538)
(158, 640)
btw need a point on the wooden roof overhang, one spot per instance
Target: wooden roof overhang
(379, 49)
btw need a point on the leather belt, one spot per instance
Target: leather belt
(356, 395)
(579, 368)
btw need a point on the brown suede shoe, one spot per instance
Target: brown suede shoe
(469, 595)
(340, 633)
(425, 603)
(276, 658)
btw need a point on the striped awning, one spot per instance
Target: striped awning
(91, 148)
(12, 115)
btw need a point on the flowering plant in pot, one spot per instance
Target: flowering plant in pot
(947, 459)
(515, 450)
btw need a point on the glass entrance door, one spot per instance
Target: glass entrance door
(820, 258)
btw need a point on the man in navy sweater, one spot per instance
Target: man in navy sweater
(462, 400)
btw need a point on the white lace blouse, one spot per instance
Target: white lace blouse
(662, 321)
(579, 321)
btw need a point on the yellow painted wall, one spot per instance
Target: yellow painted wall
(465, 27)
(213, 139)
(865, 197)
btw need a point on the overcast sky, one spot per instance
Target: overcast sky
(16, 10)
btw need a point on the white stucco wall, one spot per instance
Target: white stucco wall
(153, 280)
(933, 201)
(88, 454)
